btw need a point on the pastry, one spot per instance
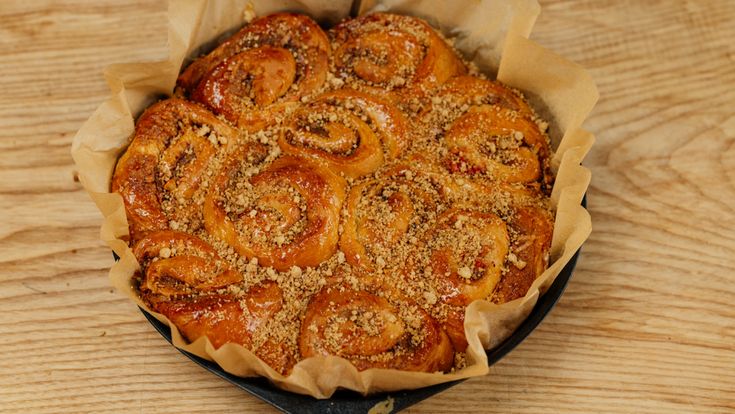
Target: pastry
(345, 193)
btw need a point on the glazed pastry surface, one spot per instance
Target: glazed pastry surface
(345, 192)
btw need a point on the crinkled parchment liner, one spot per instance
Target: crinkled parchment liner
(493, 33)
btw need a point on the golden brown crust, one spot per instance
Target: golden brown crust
(379, 212)
(183, 278)
(290, 218)
(534, 228)
(462, 257)
(248, 88)
(471, 90)
(353, 209)
(495, 142)
(353, 132)
(297, 33)
(226, 319)
(177, 263)
(468, 270)
(489, 130)
(374, 330)
(530, 226)
(173, 143)
(400, 55)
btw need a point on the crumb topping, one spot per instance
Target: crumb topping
(426, 223)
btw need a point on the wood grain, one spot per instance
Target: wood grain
(647, 324)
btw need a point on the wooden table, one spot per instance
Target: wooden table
(646, 325)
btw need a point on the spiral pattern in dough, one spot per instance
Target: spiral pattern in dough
(400, 55)
(372, 329)
(165, 163)
(379, 213)
(184, 279)
(353, 132)
(286, 215)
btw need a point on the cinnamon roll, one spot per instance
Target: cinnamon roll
(497, 143)
(384, 213)
(471, 90)
(177, 263)
(401, 55)
(286, 215)
(300, 35)
(489, 130)
(232, 319)
(185, 279)
(253, 77)
(372, 328)
(461, 259)
(531, 226)
(161, 173)
(353, 132)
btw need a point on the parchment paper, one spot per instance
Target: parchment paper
(492, 33)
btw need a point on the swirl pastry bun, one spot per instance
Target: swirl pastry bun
(400, 56)
(345, 193)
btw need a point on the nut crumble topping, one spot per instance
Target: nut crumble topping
(432, 224)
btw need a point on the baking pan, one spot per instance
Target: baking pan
(344, 401)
